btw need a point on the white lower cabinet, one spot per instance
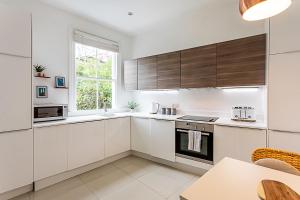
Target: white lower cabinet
(284, 141)
(16, 153)
(85, 143)
(117, 136)
(238, 143)
(50, 151)
(140, 135)
(163, 139)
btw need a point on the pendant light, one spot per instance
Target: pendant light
(253, 10)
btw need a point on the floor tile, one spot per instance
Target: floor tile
(175, 174)
(134, 191)
(99, 172)
(176, 195)
(27, 196)
(124, 161)
(139, 169)
(109, 184)
(72, 189)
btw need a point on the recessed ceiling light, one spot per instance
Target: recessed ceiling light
(130, 13)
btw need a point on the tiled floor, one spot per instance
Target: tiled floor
(130, 178)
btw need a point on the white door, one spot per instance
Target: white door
(238, 143)
(16, 165)
(285, 30)
(284, 92)
(15, 32)
(50, 151)
(284, 140)
(117, 136)
(163, 139)
(15, 88)
(140, 135)
(86, 143)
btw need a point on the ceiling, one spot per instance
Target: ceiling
(114, 13)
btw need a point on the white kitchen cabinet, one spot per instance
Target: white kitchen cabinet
(238, 143)
(117, 136)
(284, 92)
(285, 30)
(85, 143)
(163, 139)
(15, 32)
(284, 140)
(15, 88)
(140, 135)
(50, 151)
(16, 165)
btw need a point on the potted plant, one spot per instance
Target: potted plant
(132, 105)
(39, 70)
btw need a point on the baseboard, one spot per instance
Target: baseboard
(183, 166)
(16, 192)
(40, 184)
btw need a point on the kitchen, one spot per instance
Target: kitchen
(195, 69)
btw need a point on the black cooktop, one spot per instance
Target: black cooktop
(199, 118)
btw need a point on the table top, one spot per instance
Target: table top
(234, 179)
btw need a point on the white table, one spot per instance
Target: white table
(233, 179)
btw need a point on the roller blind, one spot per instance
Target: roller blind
(95, 41)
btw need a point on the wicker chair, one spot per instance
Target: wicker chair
(288, 157)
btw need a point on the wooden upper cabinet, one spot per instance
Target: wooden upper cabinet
(168, 71)
(242, 62)
(147, 73)
(130, 75)
(198, 67)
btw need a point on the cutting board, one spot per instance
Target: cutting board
(274, 190)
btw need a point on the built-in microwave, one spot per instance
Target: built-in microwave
(50, 112)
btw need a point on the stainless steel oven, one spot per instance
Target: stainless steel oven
(206, 143)
(50, 112)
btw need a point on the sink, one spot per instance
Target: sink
(108, 114)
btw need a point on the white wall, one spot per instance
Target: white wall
(207, 101)
(51, 45)
(207, 25)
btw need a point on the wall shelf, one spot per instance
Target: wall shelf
(42, 76)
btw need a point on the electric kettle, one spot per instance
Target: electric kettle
(155, 108)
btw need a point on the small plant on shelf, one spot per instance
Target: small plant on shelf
(39, 70)
(132, 105)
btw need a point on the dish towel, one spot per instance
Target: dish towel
(197, 141)
(191, 141)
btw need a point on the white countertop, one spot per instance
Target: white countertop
(234, 179)
(88, 118)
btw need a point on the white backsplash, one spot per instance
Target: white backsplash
(208, 101)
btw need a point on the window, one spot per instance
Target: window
(94, 76)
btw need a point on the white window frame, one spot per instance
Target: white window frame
(73, 79)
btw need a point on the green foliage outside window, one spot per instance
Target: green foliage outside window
(92, 92)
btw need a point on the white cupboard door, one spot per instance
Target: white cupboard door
(86, 143)
(140, 135)
(285, 30)
(16, 165)
(15, 88)
(284, 92)
(284, 141)
(50, 151)
(117, 136)
(237, 143)
(163, 139)
(15, 32)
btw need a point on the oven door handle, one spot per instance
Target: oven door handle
(186, 131)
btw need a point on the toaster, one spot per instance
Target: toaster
(243, 113)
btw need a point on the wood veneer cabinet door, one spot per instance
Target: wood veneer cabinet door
(198, 67)
(242, 62)
(147, 73)
(130, 75)
(168, 71)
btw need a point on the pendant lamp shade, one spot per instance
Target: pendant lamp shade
(253, 10)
